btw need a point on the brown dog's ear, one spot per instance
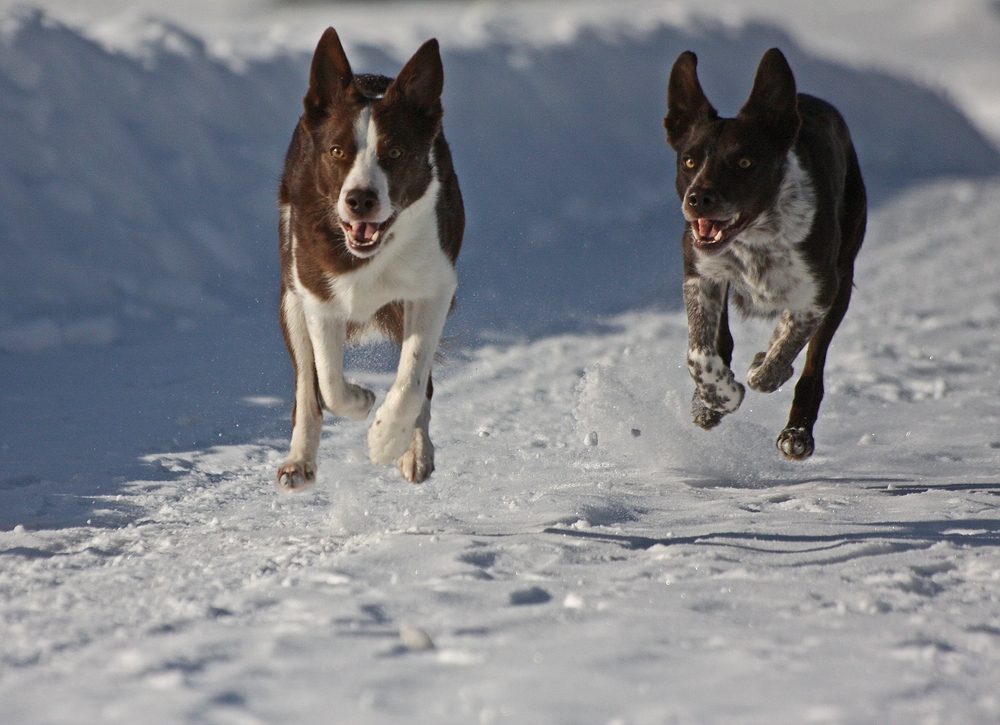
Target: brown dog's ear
(686, 102)
(421, 80)
(773, 101)
(330, 76)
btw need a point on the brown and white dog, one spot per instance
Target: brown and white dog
(371, 225)
(776, 211)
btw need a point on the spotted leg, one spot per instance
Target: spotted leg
(770, 370)
(710, 350)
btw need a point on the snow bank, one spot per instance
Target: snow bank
(131, 190)
(139, 189)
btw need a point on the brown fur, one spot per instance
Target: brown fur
(314, 247)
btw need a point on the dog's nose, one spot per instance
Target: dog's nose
(361, 201)
(702, 199)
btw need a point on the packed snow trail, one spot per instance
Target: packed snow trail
(663, 575)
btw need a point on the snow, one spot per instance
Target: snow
(583, 553)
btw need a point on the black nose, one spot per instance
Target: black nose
(702, 199)
(361, 201)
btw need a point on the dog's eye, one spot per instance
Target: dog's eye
(337, 152)
(394, 153)
(690, 163)
(745, 163)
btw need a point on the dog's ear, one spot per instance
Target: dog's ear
(686, 102)
(421, 80)
(773, 101)
(330, 77)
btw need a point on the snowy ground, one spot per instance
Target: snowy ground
(150, 572)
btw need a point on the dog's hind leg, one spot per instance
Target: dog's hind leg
(796, 441)
(298, 472)
(417, 464)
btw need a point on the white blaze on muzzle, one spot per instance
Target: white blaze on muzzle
(365, 174)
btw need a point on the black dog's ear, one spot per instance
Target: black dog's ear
(330, 76)
(421, 80)
(686, 102)
(773, 101)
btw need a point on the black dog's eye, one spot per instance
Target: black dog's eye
(337, 152)
(745, 163)
(690, 163)
(394, 153)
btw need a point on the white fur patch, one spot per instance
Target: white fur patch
(716, 384)
(366, 173)
(410, 266)
(285, 226)
(763, 263)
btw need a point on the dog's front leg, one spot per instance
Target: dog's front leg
(400, 427)
(417, 463)
(770, 370)
(340, 397)
(717, 392)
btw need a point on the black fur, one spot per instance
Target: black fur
(730, 173)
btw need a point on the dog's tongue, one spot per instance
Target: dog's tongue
(363, 231)
(707, 228)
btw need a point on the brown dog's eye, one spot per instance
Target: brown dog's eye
(690, 163)
(745, 163)
(394, 153)
(337, 152)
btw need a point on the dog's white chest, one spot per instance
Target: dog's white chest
(410, 266)
(766, 279)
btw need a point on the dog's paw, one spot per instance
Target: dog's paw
(724, 396)
(390, 435)
(388, 438)
(357, 402)
(702, 416)
(295, 476)
(766, 378)
(417, 464)
(796, 444)
(715, 382)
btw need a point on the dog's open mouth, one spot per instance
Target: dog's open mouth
(363, 238)
(709, 233)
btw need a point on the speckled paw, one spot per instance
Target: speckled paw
(704, 417)
(766, 378)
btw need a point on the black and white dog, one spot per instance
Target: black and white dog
(776, 211)
(371, 225)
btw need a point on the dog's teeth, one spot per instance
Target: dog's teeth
(375, 235)
(718, 236)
